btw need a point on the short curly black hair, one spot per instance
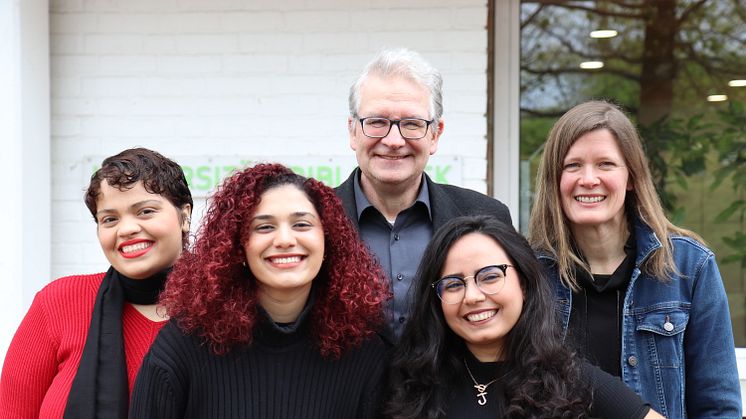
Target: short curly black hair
(159, 175)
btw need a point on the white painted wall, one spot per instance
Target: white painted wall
(254, 79)
(10, 126)
(24, 123)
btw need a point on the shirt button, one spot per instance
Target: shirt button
(399, 277)
(396, 236)
(632, 361)
(668, 326)
(402, 319)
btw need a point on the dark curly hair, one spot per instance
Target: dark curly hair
(212, 294)
(158, 174)
(545, 377)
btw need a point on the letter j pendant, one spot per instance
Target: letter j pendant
(481, 388)
(481, 393)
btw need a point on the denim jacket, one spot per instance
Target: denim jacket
(677, 352)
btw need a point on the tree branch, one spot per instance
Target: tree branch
(533, 15)
(691, 9)
(623, 3)
(714, 65)
(571, 49)
(566, 5)
(543, 114)
(556, 113)
(576, 70)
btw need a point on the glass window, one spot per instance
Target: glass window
(678, 67)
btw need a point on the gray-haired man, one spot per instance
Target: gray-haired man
(395, 123)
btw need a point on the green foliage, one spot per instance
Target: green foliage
(730, 144)
(736, 241)
(680, 148)
(534, 133)
(677, 149)
(688, 141)
(612, 87)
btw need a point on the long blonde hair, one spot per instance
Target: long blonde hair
(548, 228)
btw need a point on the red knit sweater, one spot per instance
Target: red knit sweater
(45, 352)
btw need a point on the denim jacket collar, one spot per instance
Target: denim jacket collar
(647, 241)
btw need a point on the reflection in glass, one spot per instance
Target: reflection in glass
(667, 59)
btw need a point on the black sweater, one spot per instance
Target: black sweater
(281, 375)
(611, 398)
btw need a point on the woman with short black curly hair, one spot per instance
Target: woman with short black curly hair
(78, 349)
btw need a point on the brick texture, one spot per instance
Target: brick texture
(259, 78)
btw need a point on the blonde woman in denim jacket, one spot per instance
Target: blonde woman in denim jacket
(638, 296)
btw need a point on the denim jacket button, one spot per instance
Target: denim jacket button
(632, 361)
(668, 326)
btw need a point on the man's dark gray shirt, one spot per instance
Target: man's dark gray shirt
(436, 204)
(396, 247)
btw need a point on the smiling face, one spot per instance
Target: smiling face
(594, 181)
(139, 232)
(482, 320)
(393, 161)
(285, 247)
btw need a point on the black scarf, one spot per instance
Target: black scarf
(100, 388)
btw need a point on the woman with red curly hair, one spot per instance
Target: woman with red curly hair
(273, 312)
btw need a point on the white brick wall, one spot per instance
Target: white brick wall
(237, 77)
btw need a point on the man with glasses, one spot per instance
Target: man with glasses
(395, 124)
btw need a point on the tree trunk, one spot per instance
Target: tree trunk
(658, 65)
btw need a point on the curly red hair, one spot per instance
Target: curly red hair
(211, 293)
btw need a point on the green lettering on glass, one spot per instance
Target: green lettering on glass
(324, 174)
(207, 177)
(188, 173)
(329, 175)
(204, 181)
(440, 173)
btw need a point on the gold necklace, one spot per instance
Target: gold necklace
(481, 388)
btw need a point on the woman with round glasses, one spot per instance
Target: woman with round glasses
(490, 280)
(483, 341)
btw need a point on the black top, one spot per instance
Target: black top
(595, 327)
(611, 398)
(281, 375)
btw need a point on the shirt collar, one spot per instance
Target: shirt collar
(362, 203)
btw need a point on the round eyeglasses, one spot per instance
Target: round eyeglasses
(409, 128)
(490, 280)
